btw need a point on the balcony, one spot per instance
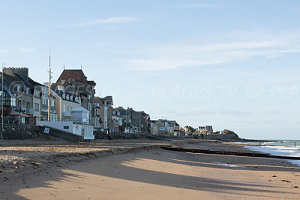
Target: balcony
(44, 107)
(66, 114)
(24, 110)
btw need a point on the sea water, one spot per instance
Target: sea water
(279, 147)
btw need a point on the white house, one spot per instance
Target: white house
(78, 124)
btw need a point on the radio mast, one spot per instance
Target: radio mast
(49, 85)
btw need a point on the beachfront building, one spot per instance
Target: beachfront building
(209, 129)
(205, 130)
(74, 84)
(103, 112)
(117, 121)
(77, 124)
(138, 120)
(28, 98)
(96, 119)
(164, 127)
(41, 101)
(65, 102)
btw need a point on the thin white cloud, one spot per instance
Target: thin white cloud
(236, 113)
(110, 20)
(26, 50)
(200, 5)
(172, 56)
(4, 51)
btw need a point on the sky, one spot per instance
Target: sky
(232, 64)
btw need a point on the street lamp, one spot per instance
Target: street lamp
(2, 96)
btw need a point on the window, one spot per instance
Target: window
(36, 107)
(19, 103)
(66, 127)
(36, 93)
(52, 103)
(45, 91)
(54, 117)
(23, 103)
(44, 101)
(13, 101)
(28, 105)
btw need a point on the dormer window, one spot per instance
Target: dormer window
(63, 96)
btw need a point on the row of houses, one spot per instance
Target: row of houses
(26, 101)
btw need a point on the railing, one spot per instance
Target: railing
(66, 114)
(23, 109)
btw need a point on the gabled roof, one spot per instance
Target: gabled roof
(10, 78)
(34, 83)
(76, 74)
(109, 99)
(98, 100)
(80, 109)
(93, 83)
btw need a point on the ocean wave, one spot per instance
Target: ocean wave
(279, 151)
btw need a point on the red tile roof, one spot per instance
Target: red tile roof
(76, 74)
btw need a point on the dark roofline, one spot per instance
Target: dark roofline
(93, 83)
(84, 81)
(34, 83)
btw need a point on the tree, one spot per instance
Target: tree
(189, 129)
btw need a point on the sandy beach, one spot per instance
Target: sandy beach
(147, 172)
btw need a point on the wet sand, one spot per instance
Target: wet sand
(157, 174)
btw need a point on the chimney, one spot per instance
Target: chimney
(12, 71)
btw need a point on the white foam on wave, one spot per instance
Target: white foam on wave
(228, 165)
(279, 151)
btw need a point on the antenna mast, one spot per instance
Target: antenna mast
(2, 96)
(49, 85)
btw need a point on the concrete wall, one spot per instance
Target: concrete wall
(220, 137)
(58, 125)
(60, 134)
(86, 131)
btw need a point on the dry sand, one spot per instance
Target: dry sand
(156, 174)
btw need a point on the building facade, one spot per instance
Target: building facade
(164, 127)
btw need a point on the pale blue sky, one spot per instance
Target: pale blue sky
(229, 64)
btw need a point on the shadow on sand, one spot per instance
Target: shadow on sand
(119, 167)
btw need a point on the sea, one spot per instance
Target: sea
(277, 147)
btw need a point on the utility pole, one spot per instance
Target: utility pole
(49, 86)
(2, 106)
(127, 119)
